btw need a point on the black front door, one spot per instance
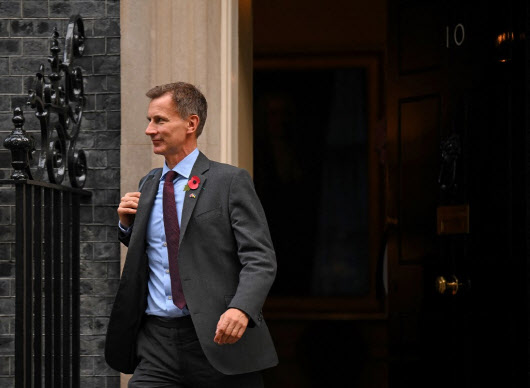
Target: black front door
(456, 132)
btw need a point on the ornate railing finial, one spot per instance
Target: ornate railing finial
(20, 145)
(58, 100)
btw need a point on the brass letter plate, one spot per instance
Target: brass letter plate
(453, 219)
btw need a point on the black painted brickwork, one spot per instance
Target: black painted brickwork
(25, 27)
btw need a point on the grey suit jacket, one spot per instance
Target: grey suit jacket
(226, 259)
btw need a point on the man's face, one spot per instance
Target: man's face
(167, 130)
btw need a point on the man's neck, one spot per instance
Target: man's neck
(173, 160)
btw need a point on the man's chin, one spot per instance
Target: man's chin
(158, 150)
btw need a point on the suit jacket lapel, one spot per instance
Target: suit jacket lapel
(202, 164)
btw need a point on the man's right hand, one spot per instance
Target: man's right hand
(127, 208)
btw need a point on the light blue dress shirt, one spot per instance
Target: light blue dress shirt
(159, 300)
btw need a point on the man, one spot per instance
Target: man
(199, 266)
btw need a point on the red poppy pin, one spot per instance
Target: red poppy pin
(193, 183)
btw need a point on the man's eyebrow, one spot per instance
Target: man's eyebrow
(156, 116)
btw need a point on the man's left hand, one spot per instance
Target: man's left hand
(231, 326)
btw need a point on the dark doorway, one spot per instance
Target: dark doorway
(308, 122)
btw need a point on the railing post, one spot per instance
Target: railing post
(22, 360)
(48, 289)
(57, 290)
(76, 300)
(37, 260)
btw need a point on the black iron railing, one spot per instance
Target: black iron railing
(47, 284)
(47, 253)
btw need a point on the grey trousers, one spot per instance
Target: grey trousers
(171, 356)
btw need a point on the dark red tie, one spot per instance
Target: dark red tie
(171, 226)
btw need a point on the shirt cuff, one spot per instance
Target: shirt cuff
(124, 229)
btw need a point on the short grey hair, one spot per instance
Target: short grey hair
(188, 100)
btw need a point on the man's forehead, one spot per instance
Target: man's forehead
(163, 102)
(164, 98)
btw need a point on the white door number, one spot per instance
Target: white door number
(458, 35)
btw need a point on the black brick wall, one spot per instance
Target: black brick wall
(25, 27)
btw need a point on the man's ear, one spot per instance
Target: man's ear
(192, 123)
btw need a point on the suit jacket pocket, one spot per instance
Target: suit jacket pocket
(208, 215)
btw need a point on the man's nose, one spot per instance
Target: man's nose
(150, 129)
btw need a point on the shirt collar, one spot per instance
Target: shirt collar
(183, 168)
